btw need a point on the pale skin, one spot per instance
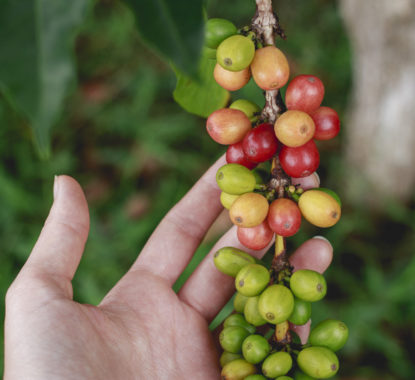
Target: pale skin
(141, 329)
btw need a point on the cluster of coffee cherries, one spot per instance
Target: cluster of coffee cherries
(259, 154)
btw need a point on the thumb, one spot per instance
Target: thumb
(61, 243)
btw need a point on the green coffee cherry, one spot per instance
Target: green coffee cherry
(251, 312)
(238, 320)
(302, 376)
(227, 199)
(239, 302)
(255, 377)
(235, 179)
(276, 304)
(284, 378)
(249, 108)
(308, 285)
(231, 260)
(228, 357)
(252, 279)
(318, 362)
(301, 313)
(255, 349)
(235, 53)
(217, 30)
(277, 364)
(231, 339)
(237, 369)
(330, 333)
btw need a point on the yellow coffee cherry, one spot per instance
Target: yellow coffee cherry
(249, 210)
(319, 208)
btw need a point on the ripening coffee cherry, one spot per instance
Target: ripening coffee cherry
(231, 338)
(284, 217)
(255, 377)
(235, 179)
(227, 199)
(318, 362)
(301, 161)
(332, 193)
(294, 128)
(249, 108)
(239, 303)
(235, 155)
(235, 53)
(260, 143)
(249, 210)
(238, 320)
(301, 313)
(227, 126)
(230, 260)
(231, 80)
(257, 237)
(304, 93)
(270, 68)
(228, 357)
(327, 123)
(319, 208)
(308, 285)
(251, 312)
(217, 30)
(277, 364)
(237, 369)
(276, 304)
(252, 279)
(255, 349)
(330, 333)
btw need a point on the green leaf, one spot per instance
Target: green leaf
(36, 59)
(203, 95)
(173, 28)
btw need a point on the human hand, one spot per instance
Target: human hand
(142, 329)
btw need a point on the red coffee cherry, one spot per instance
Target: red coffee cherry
(235, 155)
(257, 237)
(304, 93)
(284, 217)
(301, 161)
(327, 123)
(260, 143)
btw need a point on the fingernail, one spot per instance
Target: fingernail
(55, 187)
(320, 237)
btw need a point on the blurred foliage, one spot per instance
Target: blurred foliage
(135, 152)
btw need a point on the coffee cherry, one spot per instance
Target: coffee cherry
(228, 357)
(217, 30)
(227, 126)
(235, 155)
(330, 192)
(235, 179)
(251, 312)
(318, 362)
(255, 349)
(330, 333)
(301, 313)
(327, 123)
(237, 369)
(270, 68)
(276, 304)
(227, 199)
(239, 303)
(252, 279)
(284, 217)
(260, 143)
(231, 80)
(308, 285)
(249, 108)
(277, 364)
(255, 377)
(235, 53)
(230, 260)
(304, 93)
(257, 237)
(300, 161)
(231, 338)
(249, 210)
(294, 128)
(319, 208)
(238, 320)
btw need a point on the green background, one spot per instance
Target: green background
(136, 152)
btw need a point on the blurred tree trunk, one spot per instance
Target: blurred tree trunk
(380, 146)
